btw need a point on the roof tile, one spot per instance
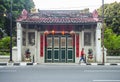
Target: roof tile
(54, 16)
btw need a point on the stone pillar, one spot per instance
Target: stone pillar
(36, 47)
(98, 43)
(14, 54)
(105, 54)
(19, 42)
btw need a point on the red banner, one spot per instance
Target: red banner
(77, 45)
(41, 45)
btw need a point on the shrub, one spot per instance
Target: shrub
(5, 46)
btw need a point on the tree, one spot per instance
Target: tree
(18, 6)
(111, 41)
(112, 27)
(2, 20)
(111, 16)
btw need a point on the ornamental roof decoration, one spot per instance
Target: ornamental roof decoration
(95, 15)
(23, 15)
(59, 17)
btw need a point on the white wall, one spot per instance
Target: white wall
(19, 42)
(92, 46)
(35, 49)
(99, 56)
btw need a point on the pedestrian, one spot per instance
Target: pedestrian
(82, 57)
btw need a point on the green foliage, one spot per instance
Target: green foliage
(112, 27)
(5, 43)
(5, 46)
(111, 16)
(5, 8)
(111, 41)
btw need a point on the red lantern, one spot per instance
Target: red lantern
(72, 32)
(63, 32)
(53, 32)
(46, 32)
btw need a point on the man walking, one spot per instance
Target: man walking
(82, 57)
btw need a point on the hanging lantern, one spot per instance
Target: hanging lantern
(46, 32)
(63, 32)
(72, 32)
(53, 32)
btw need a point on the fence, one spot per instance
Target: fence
(113, 52)
(4, 52)
(112, 59)
(4, 58)
(4, 55)
(113, 56)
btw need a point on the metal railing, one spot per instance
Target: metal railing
(113, 52)
(4, 52)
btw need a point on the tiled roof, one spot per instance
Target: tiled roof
(60, 16)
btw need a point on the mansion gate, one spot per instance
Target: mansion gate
(57, 36)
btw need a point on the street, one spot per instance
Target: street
(59, 73)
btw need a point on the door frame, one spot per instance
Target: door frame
(66, 49)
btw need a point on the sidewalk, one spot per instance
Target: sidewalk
(67, 64)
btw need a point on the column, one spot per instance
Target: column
(36, 46)
(19, 42)
(98, 43)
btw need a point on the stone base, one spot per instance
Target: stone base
(27, 60)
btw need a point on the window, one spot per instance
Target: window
(49, 42)
(56, 42)
(31, 38)
(63, 42)
(70, 43)
(87, 39)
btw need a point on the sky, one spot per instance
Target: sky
(69, 4)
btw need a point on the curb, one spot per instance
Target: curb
(32, 64)
(101, 64)
(3, 64)
(18, 64)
